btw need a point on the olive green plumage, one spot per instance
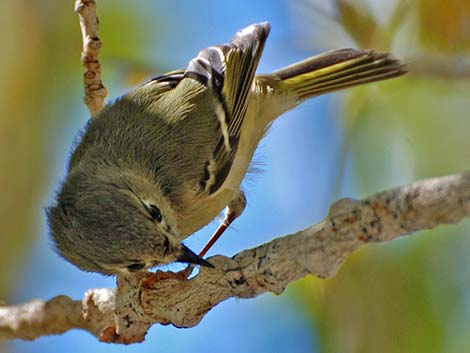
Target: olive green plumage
(162, 161)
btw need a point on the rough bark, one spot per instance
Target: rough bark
(95, 92)
(124, 314)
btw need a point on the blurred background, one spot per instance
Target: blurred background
(411, 295)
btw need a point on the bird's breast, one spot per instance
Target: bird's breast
(201, 210)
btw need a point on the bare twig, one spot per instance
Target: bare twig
(95, 92)
(440, 66)
(124, 314)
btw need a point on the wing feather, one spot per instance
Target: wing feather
(228, 70)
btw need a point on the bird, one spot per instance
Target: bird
(162, 161)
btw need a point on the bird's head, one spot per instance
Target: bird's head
(111, 221)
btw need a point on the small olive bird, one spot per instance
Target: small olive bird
(164, 160)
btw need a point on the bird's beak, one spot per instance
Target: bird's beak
(188, 256)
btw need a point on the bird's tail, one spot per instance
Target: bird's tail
(336, 70)
(325, 73)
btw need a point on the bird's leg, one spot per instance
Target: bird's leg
(233, 211)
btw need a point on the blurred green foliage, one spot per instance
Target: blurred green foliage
(411, 295)
(22, 159)
(444, 26)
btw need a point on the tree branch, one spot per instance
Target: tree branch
(440, 66)
(95, 92)
(124, 314)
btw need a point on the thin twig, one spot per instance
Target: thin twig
(124, 314)
(95, 92)
(440, 66)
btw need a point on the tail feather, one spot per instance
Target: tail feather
(336, 70)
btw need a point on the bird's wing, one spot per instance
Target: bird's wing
(165, 82)
(228, 70)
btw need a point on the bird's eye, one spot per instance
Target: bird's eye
(135, 267)
(153, 211)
